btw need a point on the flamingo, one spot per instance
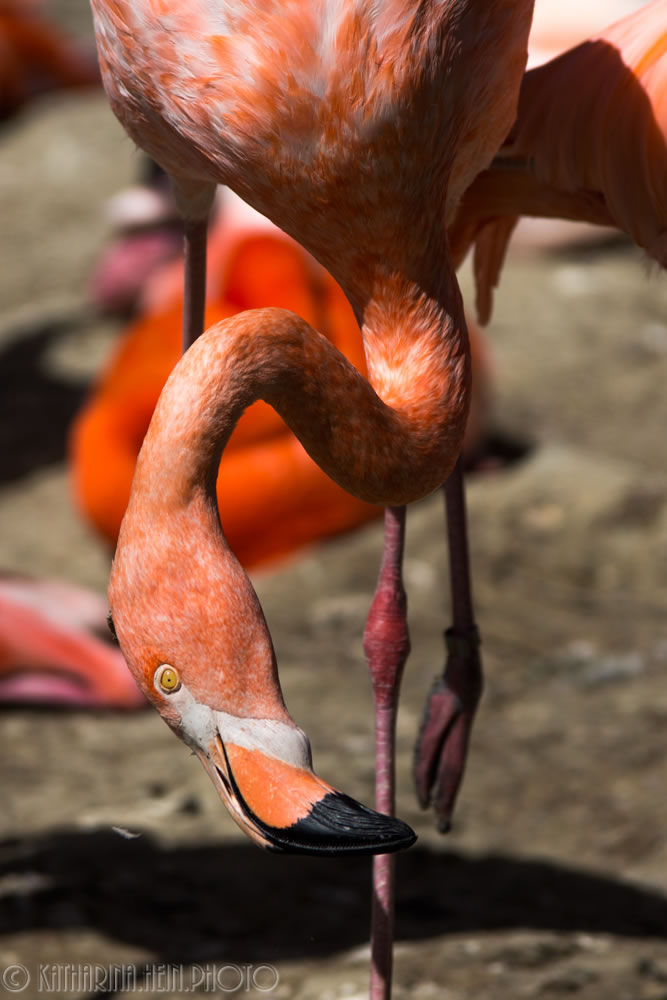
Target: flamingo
(559, 25)
(49, 652)
(356, 128)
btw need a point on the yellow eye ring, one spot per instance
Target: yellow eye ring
(167, 679)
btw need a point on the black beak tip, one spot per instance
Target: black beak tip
(336, 824)
(339, 825)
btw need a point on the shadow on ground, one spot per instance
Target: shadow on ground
(201, 900)
(36, 407)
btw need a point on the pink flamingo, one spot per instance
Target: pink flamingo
(356, 128)
(561, 24)
(49, 652)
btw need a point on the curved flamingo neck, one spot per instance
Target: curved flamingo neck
(388, 442)
(415, 341)
(387, 450)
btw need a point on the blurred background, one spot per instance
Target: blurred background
(553, 880)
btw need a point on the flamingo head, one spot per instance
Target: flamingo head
(260, 764)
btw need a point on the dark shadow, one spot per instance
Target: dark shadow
(36, 408)
(497, 450)
(609, 244)
(194, 904)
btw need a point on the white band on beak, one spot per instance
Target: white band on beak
(200, 725)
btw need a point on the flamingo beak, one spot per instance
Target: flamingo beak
(262, 771)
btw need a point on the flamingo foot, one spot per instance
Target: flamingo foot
(442, 746)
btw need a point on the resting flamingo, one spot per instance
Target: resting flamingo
(49, 652)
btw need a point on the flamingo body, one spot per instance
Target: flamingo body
(321, 115)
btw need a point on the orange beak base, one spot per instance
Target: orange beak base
(301, 813)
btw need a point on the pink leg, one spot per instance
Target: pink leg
(386, 644)
(448, 716)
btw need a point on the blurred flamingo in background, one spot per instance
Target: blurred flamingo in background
(49, 652)
(147, 235)
(559, 25)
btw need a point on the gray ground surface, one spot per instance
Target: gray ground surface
(554, 880)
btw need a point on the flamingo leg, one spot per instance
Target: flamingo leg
(193, 200)
(194, 281)
(386, 644)
(448, 716)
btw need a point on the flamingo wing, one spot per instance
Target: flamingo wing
(589, 144)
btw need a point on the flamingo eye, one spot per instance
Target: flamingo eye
(167, 679)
